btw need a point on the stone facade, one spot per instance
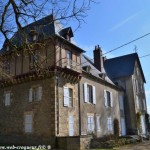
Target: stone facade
(63, 98)
(98, 109)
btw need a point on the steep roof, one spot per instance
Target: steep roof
(44, 28)
(122, 66)
(85, 61)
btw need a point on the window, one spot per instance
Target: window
(68, 97)
(90, 123)
(34, 58)
(35, 94)
(6, 66)
(121, 105)
(137, 102)
(35, 37)
(98, 123)
(7, 99)
(69, 58)
(7, 48)
(28, 123)
(71, 125)
(109, 124)
(136, 85)
(144, 104)
(108, 98)
(89, 93)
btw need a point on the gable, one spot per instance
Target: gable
(122, 66)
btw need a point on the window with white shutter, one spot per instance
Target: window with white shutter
(108, 98)
(28, 123)
(68, 97)
(7, 99)
(94, 95)
(111, 99)
(85, 92)
(90, 123)
(105, 98)
(89, 93)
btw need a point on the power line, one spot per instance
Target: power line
(127, 43)
(145, 56)
(123, 46)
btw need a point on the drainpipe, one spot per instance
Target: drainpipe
(57, 102)
(79, 109)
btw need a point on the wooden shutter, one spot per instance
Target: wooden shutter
(66, 96)
(111, 99)
(39, 93)
(105, 98)
(85, 92)
(71, 125)
(30, 94)
(94, 95)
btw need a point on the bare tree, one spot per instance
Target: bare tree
(15, 14)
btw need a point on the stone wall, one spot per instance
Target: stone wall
(12, 117)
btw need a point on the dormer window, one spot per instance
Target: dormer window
(87, 68)
(35, 37)
(66, 33)
(7, 48)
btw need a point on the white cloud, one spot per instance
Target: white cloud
(125, 21)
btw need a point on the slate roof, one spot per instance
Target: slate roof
(85, 61)
(44, 28)
(122, 66)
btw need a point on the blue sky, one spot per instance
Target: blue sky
(112, 23)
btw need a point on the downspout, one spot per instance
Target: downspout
(79, 108)
(57, 102)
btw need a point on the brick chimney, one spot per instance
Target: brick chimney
(98, 60)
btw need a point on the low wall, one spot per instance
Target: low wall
(73, 143)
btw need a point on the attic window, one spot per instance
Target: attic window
(102, 75)
(7, 48)
(66, 33)
(87, 68)
(35, 37)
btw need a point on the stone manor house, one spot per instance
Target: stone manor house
(51, 93)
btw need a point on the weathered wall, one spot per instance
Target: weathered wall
(98, 109)
(12, 117)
